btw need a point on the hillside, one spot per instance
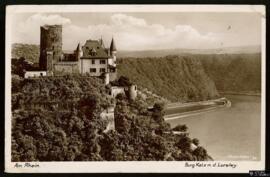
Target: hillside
(234, 69)
(235, 72)
(58, 119)
(173, 77)
(29, 51)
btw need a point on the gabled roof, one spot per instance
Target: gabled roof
(94, 46)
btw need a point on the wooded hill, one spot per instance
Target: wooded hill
(58, 119)
(173, 77)
(189, 75)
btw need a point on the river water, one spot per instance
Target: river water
(229, 133)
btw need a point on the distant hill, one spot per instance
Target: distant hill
(29, 51)
(165, 52)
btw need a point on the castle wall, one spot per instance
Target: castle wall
(50, 40)
(29, 74)
(49, 67)
(108, 116)
(66, 67)
(117, 90)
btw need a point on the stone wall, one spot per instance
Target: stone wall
(29, 74)
(66, 67)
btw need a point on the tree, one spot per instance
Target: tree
(195, 141)
(184, 143)
(181, 128)
(200, 153)
(124, 81)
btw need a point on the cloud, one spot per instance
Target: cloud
(136, 34)
(130, 33)
(28, 31)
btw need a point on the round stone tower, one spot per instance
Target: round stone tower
(132, 92)
(106, 78)
(50, 40)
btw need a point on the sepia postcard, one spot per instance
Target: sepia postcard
(135, 88)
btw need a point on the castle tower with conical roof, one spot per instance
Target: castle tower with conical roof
(113, 50)
(78, 51)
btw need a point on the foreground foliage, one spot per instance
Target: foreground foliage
(58, 119)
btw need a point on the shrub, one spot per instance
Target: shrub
(181, 128)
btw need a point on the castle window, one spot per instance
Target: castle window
(102, 70)
(93, 52)
(93, 62)
(93, 70)
(102, 61)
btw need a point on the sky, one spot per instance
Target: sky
(144, 30)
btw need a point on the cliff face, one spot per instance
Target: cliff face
(173, 77)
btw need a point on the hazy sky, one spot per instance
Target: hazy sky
(140, 31)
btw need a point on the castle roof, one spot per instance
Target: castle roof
(78, 47)
(112, 47)
(94, 49)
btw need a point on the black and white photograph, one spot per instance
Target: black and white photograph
(135, 88)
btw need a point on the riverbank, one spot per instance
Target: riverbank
(220, 130)
(240, 93)
(180, 110)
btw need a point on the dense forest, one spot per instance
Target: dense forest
(236, 73)
(173, 77)
(195, 77)
(58, 119)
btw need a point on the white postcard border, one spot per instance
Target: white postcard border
(138, 167)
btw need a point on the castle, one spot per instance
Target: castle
(92, 58)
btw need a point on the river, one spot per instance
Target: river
(228, 133)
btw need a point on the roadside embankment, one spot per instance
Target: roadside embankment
(180, 110)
